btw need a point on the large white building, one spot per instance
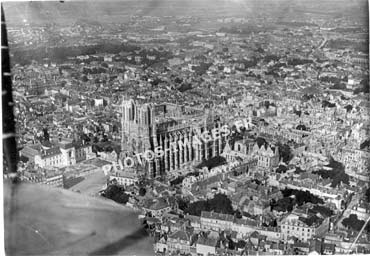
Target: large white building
(64, 153)
(50, 178)
(216, 221)
(294, 225)
(124, 178)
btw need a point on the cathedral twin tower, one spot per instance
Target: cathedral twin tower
(141, 132)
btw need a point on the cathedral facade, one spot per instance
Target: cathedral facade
(175, 130)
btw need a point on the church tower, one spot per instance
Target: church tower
(138, 129)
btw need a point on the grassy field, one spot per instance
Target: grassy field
(70, 182)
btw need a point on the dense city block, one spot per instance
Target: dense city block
(233, 127)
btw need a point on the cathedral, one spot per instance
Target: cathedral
(174, 129)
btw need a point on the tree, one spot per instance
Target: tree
(115, 128)
(273, 223)
(348, 108)
(112, 190)
(298, 112)
(84, 137)
(261, 141)
(182, 204)
(365, 144)
(298, 170)
(46, 135)
(231, 243)
(241, 244)
(96, 139)
(300, 198)
(84, 78)
(301, 127)
(220, 203)
(284, 205)
(238, 214)
(367, 194)
(367, 229)
(352, 222)
(212, 162)
(256, 181)
(177, 180)
(337, 174)
(281, 169)
(184, 87)
(116, 194)
(142, 191)
(285, 152)
(326, 103)
(196, 208)
(325, 211)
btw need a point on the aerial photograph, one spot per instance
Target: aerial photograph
(186, 127)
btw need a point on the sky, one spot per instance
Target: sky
(54, 11)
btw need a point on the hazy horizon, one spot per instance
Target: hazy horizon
(42, 12)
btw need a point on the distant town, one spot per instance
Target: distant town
(230, 134)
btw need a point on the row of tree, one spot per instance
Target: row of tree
(220, 204)
(337, 174)
(212, 162)
(294, 197)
